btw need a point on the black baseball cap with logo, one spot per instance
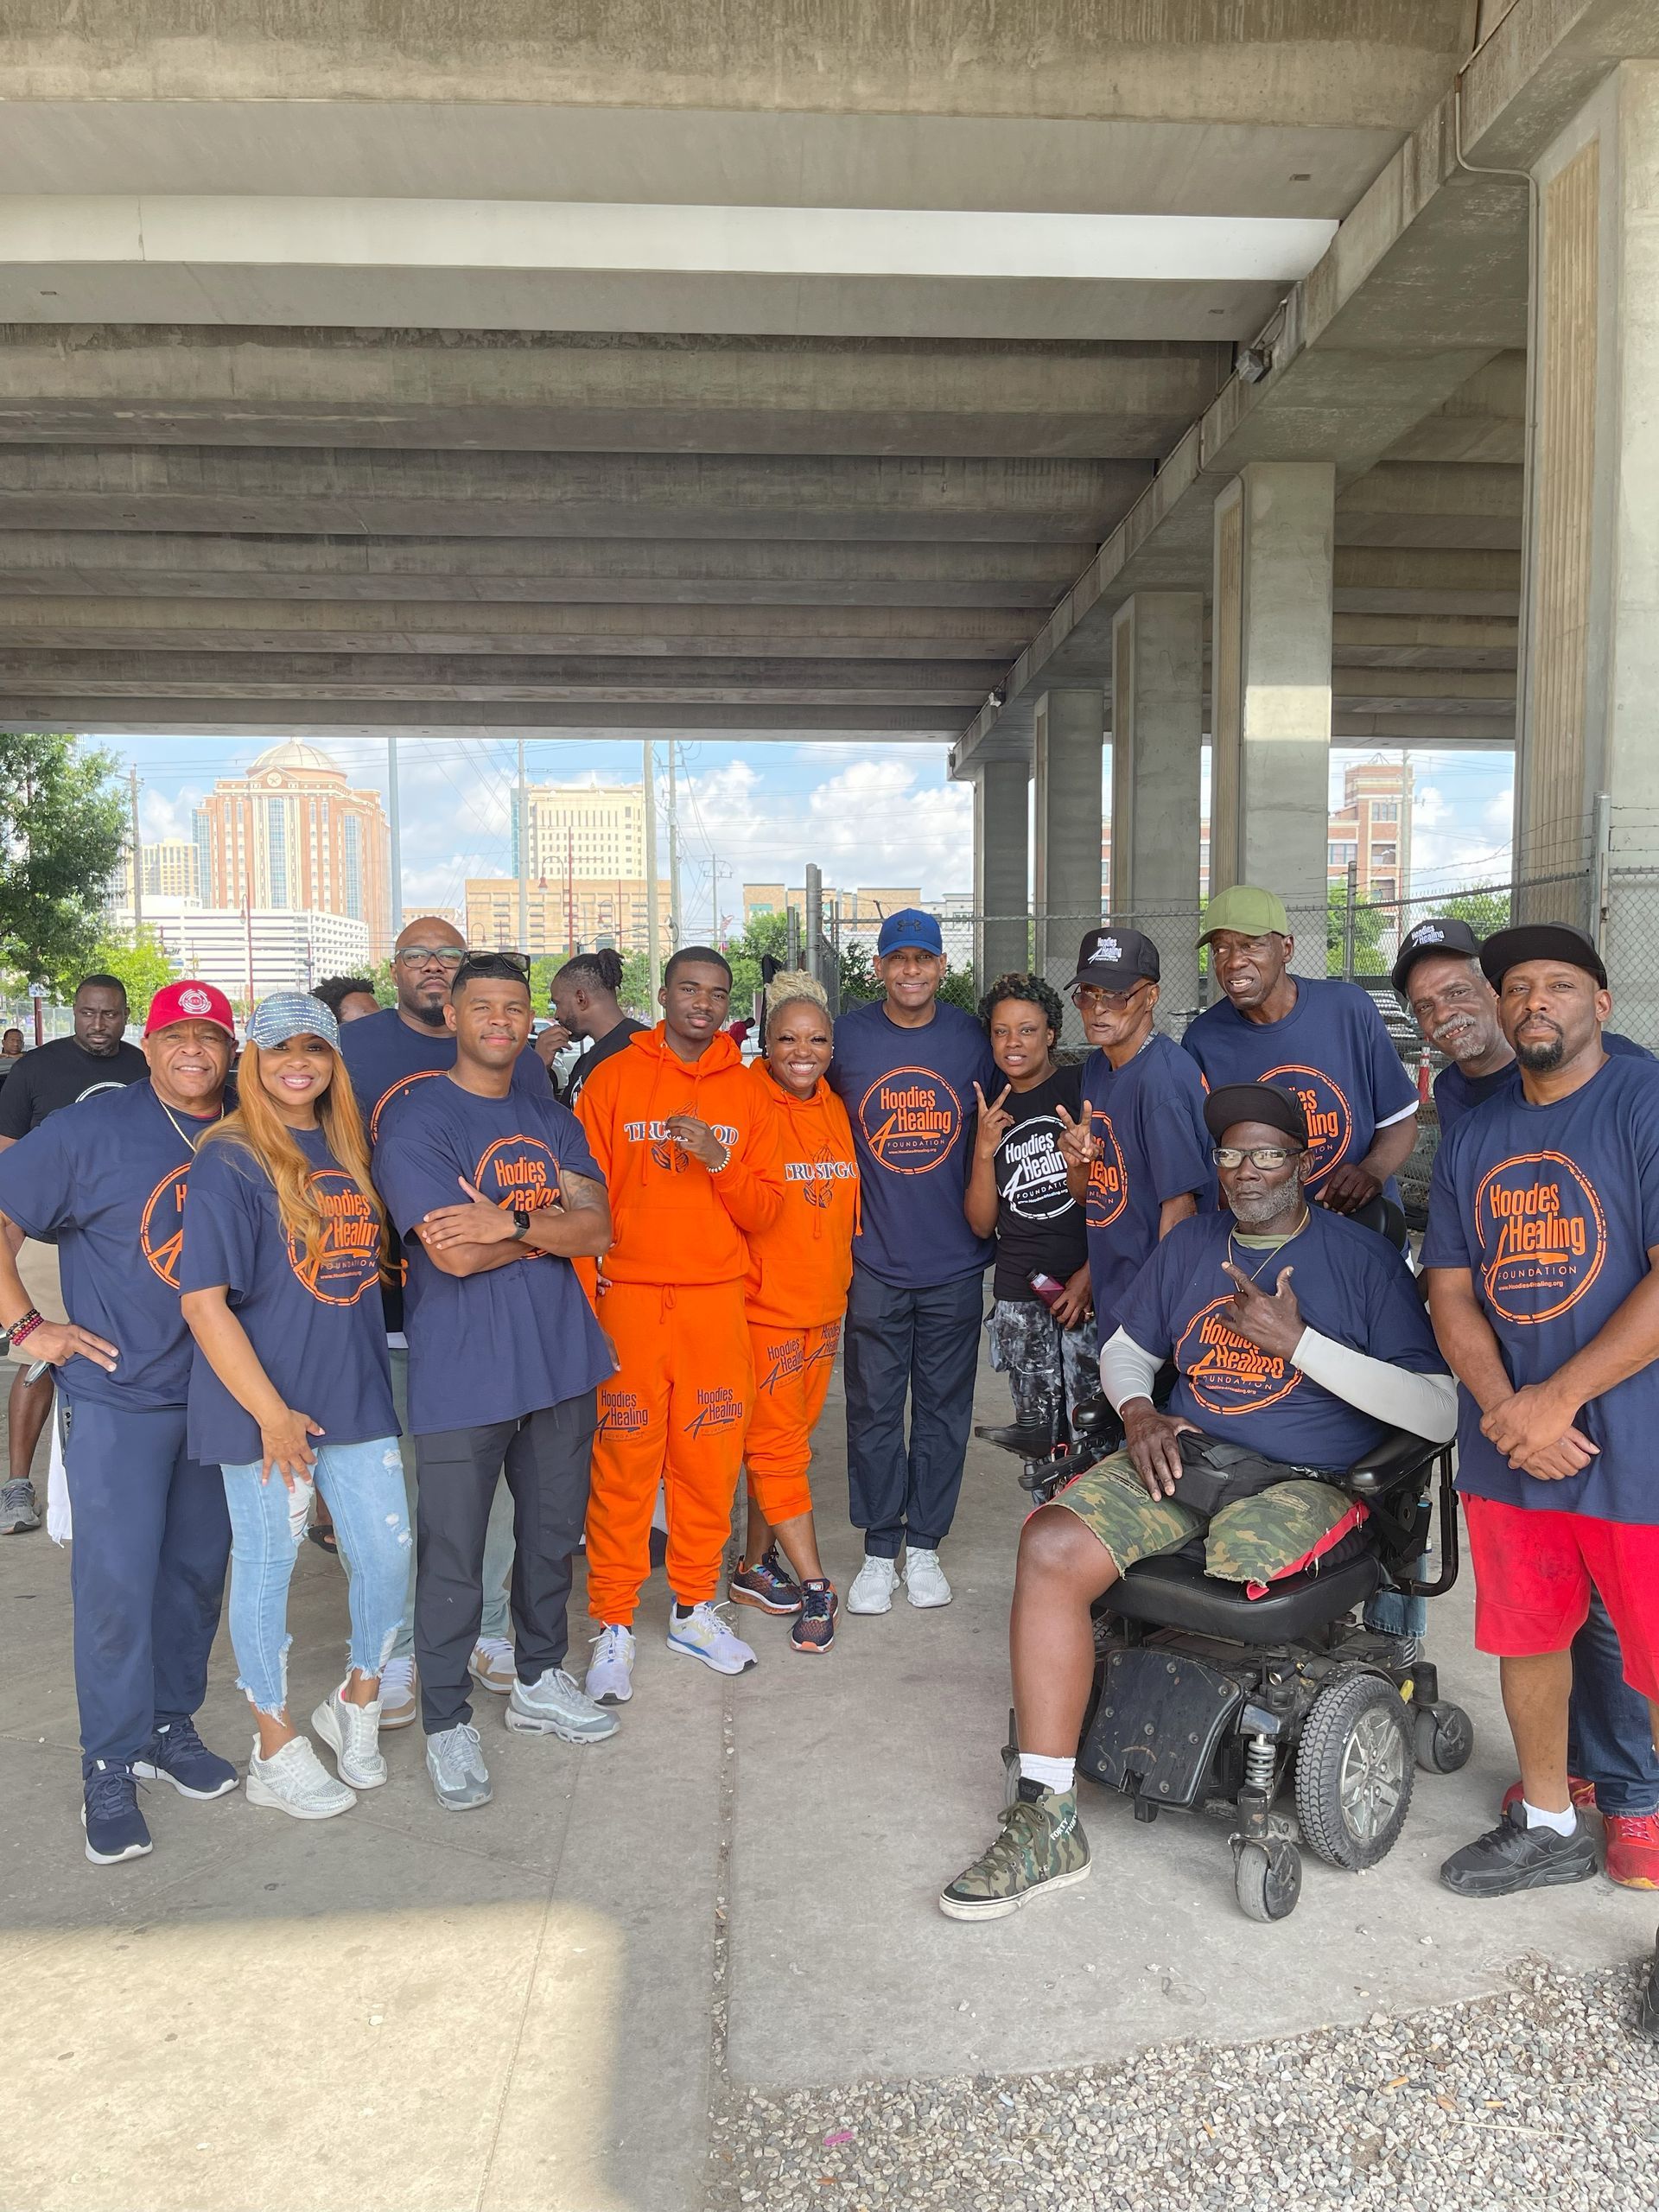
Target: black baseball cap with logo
(1507, 948)
(1255, 1102)
(1439, 933)
(1116, 960)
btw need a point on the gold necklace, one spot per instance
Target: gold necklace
(184, 1134)
(1235, 1252)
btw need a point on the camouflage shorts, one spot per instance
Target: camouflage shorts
(1255, 1540)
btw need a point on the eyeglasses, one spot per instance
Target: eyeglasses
(1264, 1156)
(446, 956)
(1088, 998)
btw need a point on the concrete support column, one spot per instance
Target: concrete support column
(1590, 677)
(1001, 868)
(1157, 760)
(1066, 757)
(1270, 689)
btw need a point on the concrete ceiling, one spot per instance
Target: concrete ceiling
(829, 369)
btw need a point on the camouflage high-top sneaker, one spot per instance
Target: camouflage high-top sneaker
(1042, 1846)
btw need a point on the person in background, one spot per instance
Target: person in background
(348, 998)
(107, 1183)
(585, 1004)
(291, 1387)
(386, 1054)
(795, 1294)
(1042, 1341)
(95, 1057)
(907, 1068)
(11, 1051)
(496, 1193)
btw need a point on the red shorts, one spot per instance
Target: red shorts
(1532, 1575)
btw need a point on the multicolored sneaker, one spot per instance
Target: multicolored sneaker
(814, 1630)
(1632, 1853)
(1042, 1846)
(768, 1586)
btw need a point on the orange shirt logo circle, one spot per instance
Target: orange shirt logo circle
(911, 1119)
(347, 1261)
(1108, 1182)
(1542, 1235)
(1226, 1373)
(1330, 1117)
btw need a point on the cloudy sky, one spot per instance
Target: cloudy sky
(867, 814)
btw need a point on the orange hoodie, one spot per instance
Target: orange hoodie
(799, 1269)
(672, 1221)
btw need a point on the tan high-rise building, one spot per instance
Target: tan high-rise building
(292, 836)
(561, 916)
(587, 831)
(169, 868)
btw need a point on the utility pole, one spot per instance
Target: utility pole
(523, 854)
(652, 951)
(394, 817)
(676, 913)
(814, 919)
(137, 858)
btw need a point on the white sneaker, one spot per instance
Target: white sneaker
(460, 1780)
(351, 1733)
(492, 1664)
(296, 1781)
(553, 1705)
(610, 1671)
(400, 1694)
(705, 1635)
(873, 1585)
(925, 1582)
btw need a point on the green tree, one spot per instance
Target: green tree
(1484, 910)
(137, 960)
(62, 828)
(1368, 935)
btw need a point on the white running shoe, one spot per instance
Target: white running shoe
(925, 1582)
(610, 1671)
(554, 1705)
(492, 1664)
(460, 1780)
(295, 1781)
(400, 1694)
(705, 1635)
(873, 1585)
(351, 1733)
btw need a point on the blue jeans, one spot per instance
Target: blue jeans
(363, 1484)
(498, 1537)
(1610, 1738)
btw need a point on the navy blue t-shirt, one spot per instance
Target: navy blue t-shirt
(313, 1318)
(1457, 1094)
(909, 1095)
(1148, 1116)
(494, 1346)
(1332, 1050)
(1553, 1209)
(1350, 1285)
(105, 1181)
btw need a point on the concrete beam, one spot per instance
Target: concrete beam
(190, 716)
(1426, 579)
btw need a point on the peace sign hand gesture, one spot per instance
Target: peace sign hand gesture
(994, 1123)
(1079, 1147)
(1273, 1324)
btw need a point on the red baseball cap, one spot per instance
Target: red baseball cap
(189, 1001)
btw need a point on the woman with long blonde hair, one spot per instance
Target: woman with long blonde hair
(284, 1236)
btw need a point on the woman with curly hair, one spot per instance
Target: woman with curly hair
(1041, 1324)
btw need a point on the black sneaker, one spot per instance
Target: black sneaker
(1027, 1441)
(115, 1826)
(767, 1586)
(815, 1624)
(176, 1754)
(1512, 1857)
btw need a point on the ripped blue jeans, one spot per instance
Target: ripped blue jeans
(363, 1485)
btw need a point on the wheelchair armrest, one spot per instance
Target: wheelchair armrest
(1398, 1458)
(1091, 1416)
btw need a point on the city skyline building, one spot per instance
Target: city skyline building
(563, 914)
(291, 836)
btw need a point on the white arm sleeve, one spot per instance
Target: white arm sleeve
(1427, 1405)
(1126, 1371)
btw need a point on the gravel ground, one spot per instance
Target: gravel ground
(1541, 2098)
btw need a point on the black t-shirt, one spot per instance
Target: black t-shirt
(590, 1059)
(1038, 1223)
(60, 1074)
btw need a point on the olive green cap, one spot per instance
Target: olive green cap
(1243, 908)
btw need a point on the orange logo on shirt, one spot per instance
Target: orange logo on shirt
(1108, 1182)
(521, 1174)
(814, 1176)
(1542, 1235)
(161, 1226)
(1330, 1117)
(347, 1261)
(784, 1360)
(911, 1119)
(401, 1089)
(1224, 1371)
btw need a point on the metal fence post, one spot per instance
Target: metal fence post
(1601, 872)
(1348, 921)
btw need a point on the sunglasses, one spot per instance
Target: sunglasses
(1089, 996)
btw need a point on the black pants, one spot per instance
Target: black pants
(924, 1344)
(545, 1457)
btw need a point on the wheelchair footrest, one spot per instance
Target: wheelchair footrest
(1160, 1716)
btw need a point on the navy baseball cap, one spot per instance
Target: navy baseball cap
(1440, 934)
(1115, 959)
(910, 927)
(1255, 1102)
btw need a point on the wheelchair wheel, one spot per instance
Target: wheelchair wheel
(1267, 1879)
(1444, 1737)
(1354, 1770)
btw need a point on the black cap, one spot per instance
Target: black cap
(1114, 959)
(1507, 948)
(1439, 933)
(1254, 1101)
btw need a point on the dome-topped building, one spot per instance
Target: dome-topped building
(293, 757)
(292, 835)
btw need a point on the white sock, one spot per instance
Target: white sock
(1563, 1823)
(1053, 1774)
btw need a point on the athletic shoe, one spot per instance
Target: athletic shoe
(294, 1781)
(1028, 1441)
(705, 1635)
(873, 1585)
(176, 1753)
(115, 1826)
(351, 1733)
(459, 1778)
(1631, 1858)
(1041, 1846)
(768, 1586)
(1581, 1793)
(925, 1582)
(19, 1512)
(554, 1706)
(492, 1666)
(1512, 1857)
(814, 1630)
(400, 1694)
(610, 1671)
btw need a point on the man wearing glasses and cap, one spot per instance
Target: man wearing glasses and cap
(386, 1054)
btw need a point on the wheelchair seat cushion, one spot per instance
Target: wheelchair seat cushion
(1255, 1541)
(1172, 1593)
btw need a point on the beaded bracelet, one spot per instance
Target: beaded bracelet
(25, 1327)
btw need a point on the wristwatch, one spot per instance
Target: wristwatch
(520, 1223)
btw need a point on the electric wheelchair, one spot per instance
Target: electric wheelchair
(1206, 1699)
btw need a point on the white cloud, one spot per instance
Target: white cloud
(880, 819)
(162, 815)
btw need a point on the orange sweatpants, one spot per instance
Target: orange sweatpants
(675, 1413)
(791, 1376)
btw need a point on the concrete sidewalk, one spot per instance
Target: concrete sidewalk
(534, 2008)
